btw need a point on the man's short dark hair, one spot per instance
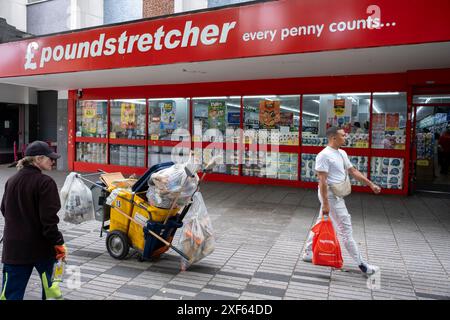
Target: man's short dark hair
(332, 131)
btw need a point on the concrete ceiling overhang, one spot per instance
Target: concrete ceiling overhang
(392, 59)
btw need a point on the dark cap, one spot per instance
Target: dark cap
(40, 148)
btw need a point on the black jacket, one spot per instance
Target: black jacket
(30, 205)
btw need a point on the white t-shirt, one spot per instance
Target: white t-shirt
(331, 161)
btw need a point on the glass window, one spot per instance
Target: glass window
(216, 118)
(361, 164)
(431, 99)
(387, 172)
(308, 173)
(91, 152)
(128, 119)
(273, 165)
(389, 114)
(125, 155)
(158, 154)
(272, 119)
(349, 111)
(168, 119)
(91, 118)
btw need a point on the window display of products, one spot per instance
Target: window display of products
(387, 172)
(311, 139)
(167, 118)
(272, 165)
(308, 173)
(425, 146)
(123, 155)
(91, 152)
(128, 119)
(360, 163)
(92, 118)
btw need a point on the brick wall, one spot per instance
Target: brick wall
(153, 8)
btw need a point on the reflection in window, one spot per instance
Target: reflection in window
(128, 119)
(349, 111)
(431, 99)
(168, 119)
(272, 119)
(158, 154)
(389, 120)
(91, 118)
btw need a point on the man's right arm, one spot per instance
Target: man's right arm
(323, 189)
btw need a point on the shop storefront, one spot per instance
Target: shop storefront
(267, 130)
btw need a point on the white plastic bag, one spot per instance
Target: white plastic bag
(77, 201)
(197, 239)
(171, 184)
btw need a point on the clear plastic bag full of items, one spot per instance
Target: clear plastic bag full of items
(170, 185)
(76, 200)
(197, 239)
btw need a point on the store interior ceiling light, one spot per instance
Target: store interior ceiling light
(136, 101)
(317, 101)
(429, 98)
(311, 114)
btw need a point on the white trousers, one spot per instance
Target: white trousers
(342, 223)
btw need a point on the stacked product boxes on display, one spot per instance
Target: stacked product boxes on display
(387, 172)
(130, 156)
(308, 174)
(91, 152)
(360, 163)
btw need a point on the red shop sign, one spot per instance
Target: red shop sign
(269, 28)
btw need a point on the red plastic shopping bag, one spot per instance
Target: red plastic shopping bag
(326, 248)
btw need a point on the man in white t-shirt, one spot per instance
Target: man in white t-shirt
(331, 164)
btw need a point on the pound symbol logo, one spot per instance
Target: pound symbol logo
(30, 56)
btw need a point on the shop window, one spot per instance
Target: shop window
(168, 119)
(349, 111)
(387, 172)
(126, 155)
(308, 173)
(272, 119)
(92, 118)
(389, 114)
(361, 164)
(216, 118)
(273, 165)
(158, 154)
(431, 99)
(91, 152)
(127, 119)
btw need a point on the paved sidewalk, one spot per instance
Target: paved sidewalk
(260, 232)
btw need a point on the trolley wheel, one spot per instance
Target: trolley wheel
(117, 244)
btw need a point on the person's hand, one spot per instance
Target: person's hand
(61, 252)
(376, 189)
(326, 208)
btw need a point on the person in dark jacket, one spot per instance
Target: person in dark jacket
(31, 238)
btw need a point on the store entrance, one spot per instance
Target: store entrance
(432, 148)
(9, 131)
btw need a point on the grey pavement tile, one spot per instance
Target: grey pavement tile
(432, 296)
(212, 296)
(265, 290)
(223, 288)
(235, 274)
(86, 253)
(315, 282)
(126, 272)
(312, 275)
(182, 288)
(137, 290)
(271, 276)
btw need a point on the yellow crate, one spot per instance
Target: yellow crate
(124, 203)
(142, 211)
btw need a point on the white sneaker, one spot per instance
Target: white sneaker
(307, 256)
(368, 269)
